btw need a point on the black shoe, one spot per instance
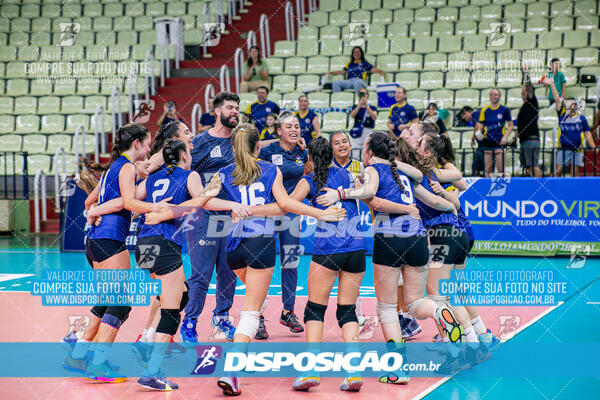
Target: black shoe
(291, 321)
(261, 333)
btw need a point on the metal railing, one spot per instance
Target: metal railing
(149, 75)
(9, 175)
(224, 80)
(290, 33)
(117, 117)
(265, 36)
(196, 110)
(238, 61)
(312, 6)
(175, 38)
(97, 131)
(39, 176)
(300, 13)
(59, 178)
(209, 91)
(250, 40)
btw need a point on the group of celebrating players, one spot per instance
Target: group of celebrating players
(409, 182)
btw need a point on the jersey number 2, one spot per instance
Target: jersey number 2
(164, 186)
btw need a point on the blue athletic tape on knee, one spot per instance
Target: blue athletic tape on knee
(346, 313)
(184, 300)
(248, 324)
(99, 311)
(314, 312)
(387, 313)
(169, 321)
(116, 315)
(413, 306)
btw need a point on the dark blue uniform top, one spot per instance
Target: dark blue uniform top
(160, 186)
(432, 217)
(210, 154)
(258, 193)
(306, 124)
(291, 163)
(396, 224)
(207, 119)
(462, 218)
(336, 237)
(115, 225)
(259, 112)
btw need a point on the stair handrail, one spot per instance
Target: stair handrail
(224, 81)
(289, 21)
(116, 125)
(250, 40)
(265, 37)
(205, 19)
(300, 13)
(149, 75)
(312, 6)
(36, 199)
(103, 136)
(238, 61)
(165, 41)
(58, 178)
(195, 109)
(209, 91)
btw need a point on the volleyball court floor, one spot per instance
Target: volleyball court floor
(24, 319)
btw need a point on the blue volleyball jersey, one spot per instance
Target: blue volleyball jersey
(342, 236)
(266, 135)
(462, 218)
(115, 225)
(160, 186)
(396, 224)
(210, 154)
(494, 121)
(357, 69)
(571, 129)
(207, 119)
(257, 193)
(432, 217)
(307, 130)
(401, 114)
(291, 163)
(258, 112)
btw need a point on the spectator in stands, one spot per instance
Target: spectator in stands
(478, 163)
(464, 118)
(208, 119)
(364, 115)
(258, 110)
(495, 136)
(431, 115)
(270, 130)
(527, 128)
(310, 127)
(402, 114)
(559, 80)
(257, 72)
(169, 114)
(355, 72)
(572, 129)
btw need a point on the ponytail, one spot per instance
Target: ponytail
(124, 138)
(383, 146)
(171, 153)
(166, 131)
(438, 144)
(321, 153)
(244, 140)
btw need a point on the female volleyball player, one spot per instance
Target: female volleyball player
(174, 129)
(250, 244)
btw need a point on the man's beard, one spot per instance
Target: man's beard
(227, 123)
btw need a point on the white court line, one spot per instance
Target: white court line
(521, 329)
(592, 302)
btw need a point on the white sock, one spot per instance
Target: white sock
(150, 335)
(264, 306)
(478, 325)
(471, 336)
(81, 348)
(359, 311)
(143, 338)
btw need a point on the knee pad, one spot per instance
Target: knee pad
(412, 307)
(346, 313)
(184, 300)
(116, 315)
(98, 311)
(438, 300)
(169, 321)
(314, 312)
(387, 313)
(248, 324)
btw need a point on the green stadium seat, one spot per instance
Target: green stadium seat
(370, 4)
(595, 38)
(30, 10)
(561, 24)
(92, 102)
(295, 65)
(524, 41)
(563, 54)
(450, 44)
(284, 83)
(29, 53)
(26, 123)
(575, 92)
(431, 80)
(176, 9)
(408, 80)
(92, 10)
(137, 10)
(18, 39)
(307, 82)
(73, 121)
(513, 98)
(391, 4)
(509, 79)
(318, 18)
(424, 15)
(17, 87)
(360, 16)
(10, 143)
(483, 61)
(560, 8)
(576, 39)
(547, 118)
(36, 162)
(483, 79)
(515, 10)
(107, 38)
(58, 140)
(570, 75)
(417, 4)
(334, 121)
(339, 18)
(349, 5)
(318, 100)
(449, 14)
(48, 105)
(381, 17)
(466, 27)
(308, 48)
(40, 87)
(587, 56)
(331, 47)
(420, 29)
(318, 65)
(401, 46)
(471, 13)
(71, 10)
(9, 10)
(381, 121)
(435, 3)
(442, 28)
(443, 97)
(466, 97)
(342, 100)
(193, 37)
(41, 39)
(155, 9)
(71, 105)
(337, 63)
(435, 62)
(308, 33)
(493, 11)
(425, 44)
(378, 46)
(376, 31)
(585, 7)
(329, 5)
(275, 65)
(537, 10)
(411, 62)
(418, 98)
(107, 122)
(20, 25)
(387, 62)
(550, 40)
(404, 16)
(96, 53)
(7, 124)
(329, 32)
(143, 23)
(4, 24)
(587, 23)
(6, 105)
(16, 70)
(480, 2)
(119, 52)
(397, 31)
(536, 25)
(52, 124)
(284, 48)
(458, 77)
(102, 24)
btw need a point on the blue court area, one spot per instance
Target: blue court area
(573, 322)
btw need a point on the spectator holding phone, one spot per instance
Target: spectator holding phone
(432, 115)
(257, 72)
(208, 119)
(169, 114)
(364, 116)
(527, 128)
